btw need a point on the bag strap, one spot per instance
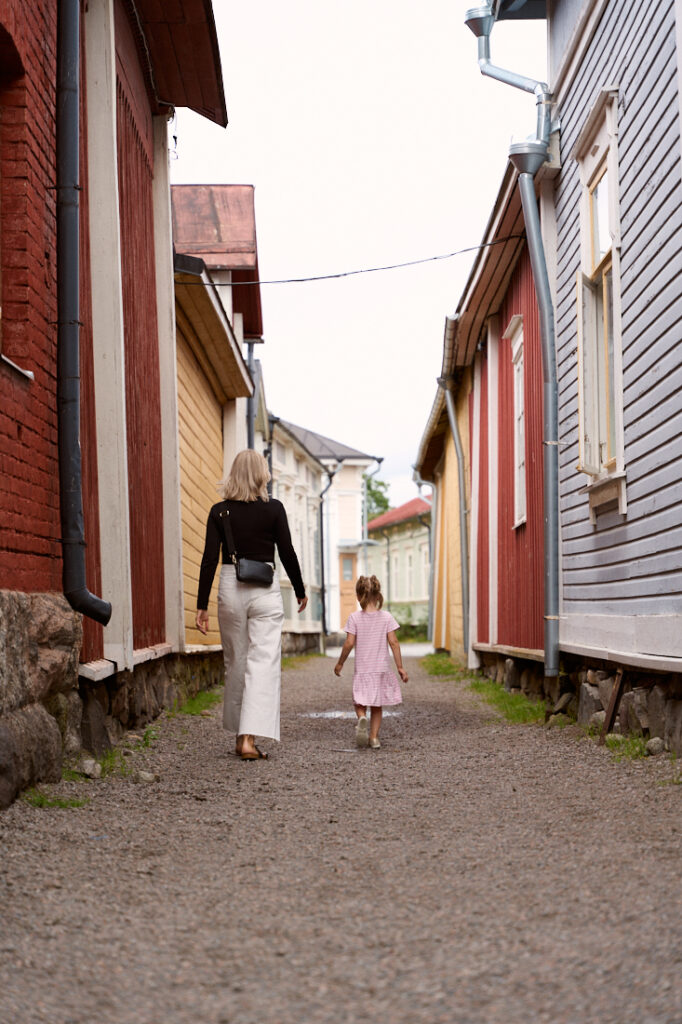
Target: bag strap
(229, 537)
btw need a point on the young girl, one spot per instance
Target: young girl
(374, 685)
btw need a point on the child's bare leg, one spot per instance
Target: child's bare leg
(360, 710)
(374, 722)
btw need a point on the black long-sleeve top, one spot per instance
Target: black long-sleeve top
(257, 526)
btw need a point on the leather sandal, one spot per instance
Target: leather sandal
(257, 755)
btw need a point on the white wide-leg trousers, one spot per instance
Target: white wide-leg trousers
(250, 619)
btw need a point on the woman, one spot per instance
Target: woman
(250, 615)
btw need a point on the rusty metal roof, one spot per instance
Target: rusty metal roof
(217, 223)
(412, 509)
(183, 57)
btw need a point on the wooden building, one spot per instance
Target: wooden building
(399, 554)
(610, 202)
(214, 231)
(135, 61)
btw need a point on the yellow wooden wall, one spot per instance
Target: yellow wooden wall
(447, 612)
(201, 467)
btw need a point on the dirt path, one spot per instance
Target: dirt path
(470, 871)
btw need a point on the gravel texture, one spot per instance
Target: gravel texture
(469, 871)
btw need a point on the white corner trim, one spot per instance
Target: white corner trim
(168, 386)
(107, 329)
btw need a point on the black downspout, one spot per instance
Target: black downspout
(250, 404)
(68, 322)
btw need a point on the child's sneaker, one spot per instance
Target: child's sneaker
(374, 743)
(362, 732)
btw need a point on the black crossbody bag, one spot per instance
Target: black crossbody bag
(248, 569)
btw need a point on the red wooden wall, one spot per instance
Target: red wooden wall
(520, 550)
(143, 396)
(483, 574)
(30, 549)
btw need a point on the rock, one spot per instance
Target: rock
(499, 671)
(30, 750)
(557, 721)
(551, 687)
(656, 707)
(206, 713)
(673, 727)
(511, 675)
(562, 703)
(588, 703)
(143, 776)
(133, 737)
(40, 638)
(90, 768)
(655, 746)
(633, 712)
(93, 727)
(605, 687)
(597, 720)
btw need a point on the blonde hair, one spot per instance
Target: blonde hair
(248, 478)
(368, 591)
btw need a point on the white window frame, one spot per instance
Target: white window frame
(514, 334)
(600, 361)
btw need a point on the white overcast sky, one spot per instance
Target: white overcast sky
(371, 138)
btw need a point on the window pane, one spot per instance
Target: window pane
(601, 235)
(347, 568)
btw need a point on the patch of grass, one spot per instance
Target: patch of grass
(36, 798)
(114, 763)
(439, 664)
(298, 660)
(203, 701)
(150, 734)
(71, 775)
(514, 706)
(622, 747)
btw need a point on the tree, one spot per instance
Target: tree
(377, 497)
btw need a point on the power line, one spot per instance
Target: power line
(375, 270)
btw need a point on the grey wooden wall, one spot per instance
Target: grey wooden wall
(628, 565)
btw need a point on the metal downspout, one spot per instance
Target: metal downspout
(528, 158)
(250, 403)
(550, 446)
(68, 319)
(445, 384)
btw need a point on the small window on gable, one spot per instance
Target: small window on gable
(600, 402)
(514, 333)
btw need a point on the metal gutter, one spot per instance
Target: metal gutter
(527, 158)
(446, 383)
(68, 318)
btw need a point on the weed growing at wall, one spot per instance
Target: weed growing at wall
(514, 706)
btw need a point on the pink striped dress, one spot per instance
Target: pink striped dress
(374, 684)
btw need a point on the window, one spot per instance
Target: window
(514, 333)
(600, 411)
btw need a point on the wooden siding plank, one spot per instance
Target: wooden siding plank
(201, 466)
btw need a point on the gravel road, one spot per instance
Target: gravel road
(469, 872)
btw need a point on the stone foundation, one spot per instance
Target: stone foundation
(650, 704)
(130, 700)
(300, 643)
(40, 639)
